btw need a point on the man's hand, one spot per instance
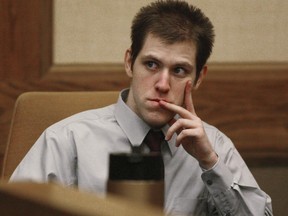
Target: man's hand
(190, 130)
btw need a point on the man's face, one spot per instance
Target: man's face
(160, 72)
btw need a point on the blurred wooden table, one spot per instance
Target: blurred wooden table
(51, 199)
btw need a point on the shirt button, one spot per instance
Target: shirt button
(209, 182)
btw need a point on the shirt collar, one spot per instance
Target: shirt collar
(133, 126)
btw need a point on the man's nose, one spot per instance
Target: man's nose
(163, 81)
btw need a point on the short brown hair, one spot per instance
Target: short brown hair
(173, 21)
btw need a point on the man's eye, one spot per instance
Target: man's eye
(151, 65)
(180, 71)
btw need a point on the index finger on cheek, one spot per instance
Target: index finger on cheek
(188, 101)
(187, 96)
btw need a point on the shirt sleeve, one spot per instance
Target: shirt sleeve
(232, 187)
(51, 158)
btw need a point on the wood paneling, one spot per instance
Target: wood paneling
(246, 101)
(250, 106)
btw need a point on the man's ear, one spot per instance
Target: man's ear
(128, 63)
(201, 77)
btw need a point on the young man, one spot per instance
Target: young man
(204, 173)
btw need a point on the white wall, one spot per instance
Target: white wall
(97, 31)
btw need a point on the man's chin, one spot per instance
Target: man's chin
(158, 121)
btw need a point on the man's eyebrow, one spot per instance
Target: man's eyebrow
(150, 56)
(184, 64)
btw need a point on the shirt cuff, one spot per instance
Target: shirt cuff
(218, 178)
(204, 170)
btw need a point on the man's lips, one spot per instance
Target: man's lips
(158, 100)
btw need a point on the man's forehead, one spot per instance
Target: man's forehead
(155, 47)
